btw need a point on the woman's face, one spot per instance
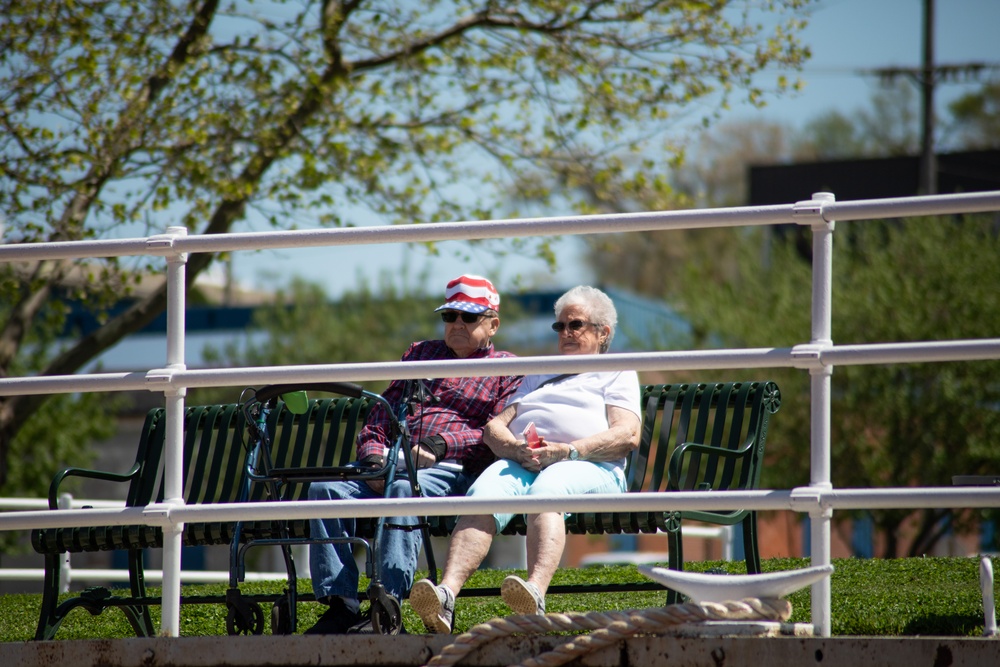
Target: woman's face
(579, 335)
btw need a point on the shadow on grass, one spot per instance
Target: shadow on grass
(961, 625)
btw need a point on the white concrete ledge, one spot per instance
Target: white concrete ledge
(404, 651)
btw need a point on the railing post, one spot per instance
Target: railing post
(65, 502)
(989, 603)
(820, 393)
(811, 357)
(173, 490)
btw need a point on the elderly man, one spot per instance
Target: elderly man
(449, 453)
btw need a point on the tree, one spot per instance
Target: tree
(303, 326)
(900, 281)
(888, 126)
(134, 115)
(976, 118)
(892, 426)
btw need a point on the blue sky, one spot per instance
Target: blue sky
(846, 37)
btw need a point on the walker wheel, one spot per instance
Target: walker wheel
(246, 621)
(281, 617)
(387, 616)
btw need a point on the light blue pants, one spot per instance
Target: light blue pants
(505, 478)
(334, 570)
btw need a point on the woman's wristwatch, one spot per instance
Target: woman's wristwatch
(574, 455)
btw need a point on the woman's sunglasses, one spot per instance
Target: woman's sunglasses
(451, 316)
(573, 325)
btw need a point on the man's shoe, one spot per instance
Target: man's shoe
(337, 620)
(435, 605)
(522, 596)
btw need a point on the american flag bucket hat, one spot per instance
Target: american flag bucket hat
(471, 294)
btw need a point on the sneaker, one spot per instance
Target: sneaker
(435, 605)
(522, 596)
(337, 620)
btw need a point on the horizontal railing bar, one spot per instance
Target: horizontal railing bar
(160, 379)
(803, 499)
(915, 352)
(90, 382)
(432, 231)
(43, 503)
(99, 574)
(907, 207)
(490, 229)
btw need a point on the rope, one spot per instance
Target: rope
(606, 628)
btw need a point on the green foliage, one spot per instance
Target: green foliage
(888, 126)
(41, 449)
(976, 119)
(180, 108)
(61, 433)
(303, 326)
(900, 281)
(893, 425)
(908, 597)
(122, 118)
(913, 280)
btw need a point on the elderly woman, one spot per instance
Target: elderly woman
(586, 424)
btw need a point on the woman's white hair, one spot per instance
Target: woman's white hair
(598, 305)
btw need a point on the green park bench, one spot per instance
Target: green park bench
(713, 440)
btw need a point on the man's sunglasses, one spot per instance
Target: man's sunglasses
(450, 316)
(573, 325)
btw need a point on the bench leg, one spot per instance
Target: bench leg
(750, 549)
(675, 558)
(48, 622)
(93, 600)
(138, 615)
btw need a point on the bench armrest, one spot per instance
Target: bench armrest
(677, 457)
(90, 474)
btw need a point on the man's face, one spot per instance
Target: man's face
(464, 337)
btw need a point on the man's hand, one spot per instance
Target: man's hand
(374, 462)
(422, 457)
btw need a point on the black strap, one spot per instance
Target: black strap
(558, 378)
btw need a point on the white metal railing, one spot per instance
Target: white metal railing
(68, 574)
(817, 356)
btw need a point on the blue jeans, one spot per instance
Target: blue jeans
(505, 478)
(334, 570)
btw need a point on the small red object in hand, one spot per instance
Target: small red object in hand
(531, 435)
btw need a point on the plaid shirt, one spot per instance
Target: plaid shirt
(463, 408)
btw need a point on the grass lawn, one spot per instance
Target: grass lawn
(905, 597)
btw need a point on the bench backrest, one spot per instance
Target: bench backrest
(215, 448)
(725, 415)
(731, 417)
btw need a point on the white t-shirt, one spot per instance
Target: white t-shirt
(575, 407)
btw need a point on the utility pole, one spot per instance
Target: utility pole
(928, 161)
(926, 77)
